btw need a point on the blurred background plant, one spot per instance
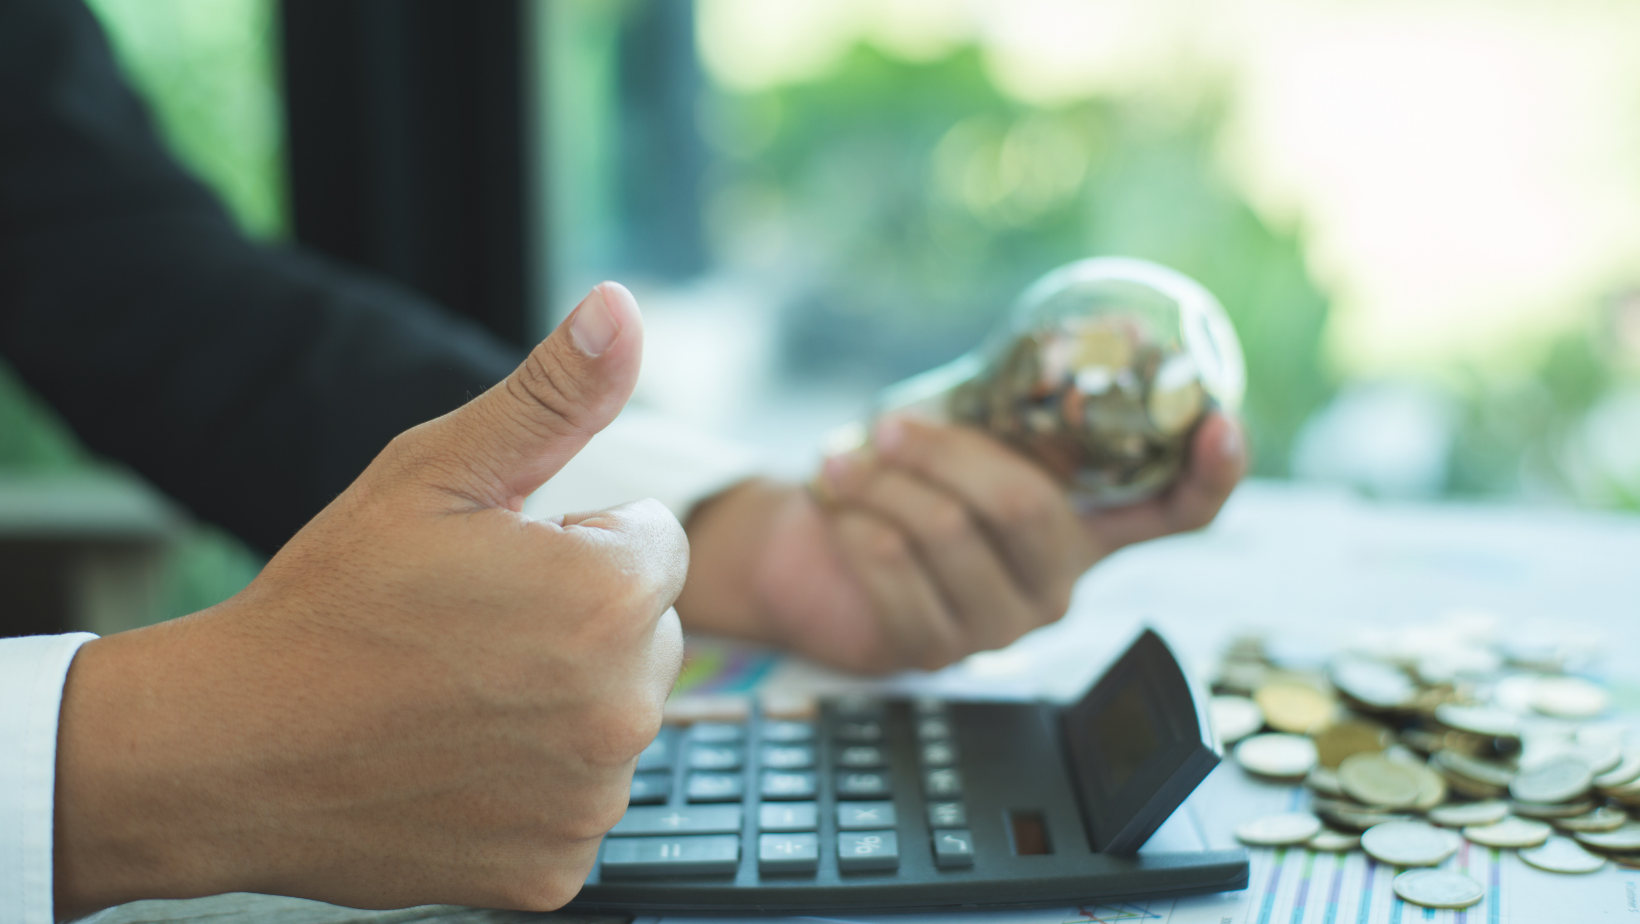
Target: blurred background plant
(1424, 219)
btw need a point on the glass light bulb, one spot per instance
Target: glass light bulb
(1101, 373)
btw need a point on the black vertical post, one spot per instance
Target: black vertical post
(405, 130)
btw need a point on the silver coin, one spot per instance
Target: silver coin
(1373, 683)
(1408, 843)
(1330, 841)
(1277, 755)
(1604, 818)
(1626, 771)
(1552, 810)
(1510, 832)
(1438, 888)
(1569, 698)
(1324, 782)
(1464, 814)
(1562, 855)
(1234, 717)
(1558, 779)
(1485, 772)
(1279, 830)
(1623, 840)
(1485, 721)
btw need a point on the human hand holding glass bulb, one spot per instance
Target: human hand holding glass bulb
(937, 539)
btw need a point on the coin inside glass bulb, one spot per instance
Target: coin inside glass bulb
(1101, 374)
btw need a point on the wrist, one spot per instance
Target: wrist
(728, 537)
(134, 804)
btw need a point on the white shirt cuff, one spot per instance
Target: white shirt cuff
(645, 454)
(32, 671)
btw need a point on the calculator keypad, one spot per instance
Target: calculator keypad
(713, 795)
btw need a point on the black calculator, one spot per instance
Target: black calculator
(879, 805)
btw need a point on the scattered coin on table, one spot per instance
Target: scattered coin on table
(1604, 818)
(1569, 698)
(1277, 755)
(1409, 843)
(1281, 830)
(1464, 814)
(1294, 708)
(1234, 718)
(1373, 779)
(1559, 779)
(1438, 888)
(1562, 855)
(1510, 832)
(1330, 841)
(1407, 732)
(1623, 840)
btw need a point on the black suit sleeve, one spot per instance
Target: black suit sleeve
(251, 383)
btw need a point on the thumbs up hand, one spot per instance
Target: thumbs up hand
(425, 696)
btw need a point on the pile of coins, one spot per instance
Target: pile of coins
(1404, 754)
(1097, 400)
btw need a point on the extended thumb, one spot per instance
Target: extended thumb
(521, 432)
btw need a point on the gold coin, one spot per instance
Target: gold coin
(1351, 736)
(1294, 707)
(1374, 780)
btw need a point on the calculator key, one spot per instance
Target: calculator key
(685, 819)
(858, 706)
(787, 757)
(933, 729)
(784, 784)
(864, 816)
(788, 853)
(862, 785)
(715, 757)
(938, 754)
(650, 787)
(788, 732)
(862, 850)
(861, 757)
(943, 784)
(788, 816)
(953, 848)
(716, 732)
(702, 855)
(715, 787)
(658, 756)
(947, 815)
(865, 732)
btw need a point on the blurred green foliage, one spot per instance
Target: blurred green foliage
(919, 201)
(208, 70)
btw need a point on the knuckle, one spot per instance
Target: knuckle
(542, 382)
(948, 521)
(1025, 506)
(887, 545)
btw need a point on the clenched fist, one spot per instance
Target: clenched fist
(424, 697)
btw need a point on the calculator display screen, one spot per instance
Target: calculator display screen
(1136, 745)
